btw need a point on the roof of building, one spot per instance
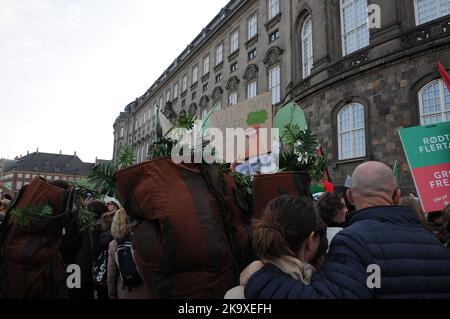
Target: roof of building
(50, 163)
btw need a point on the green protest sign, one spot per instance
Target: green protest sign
(428, 151)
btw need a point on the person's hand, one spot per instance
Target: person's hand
(249, 271)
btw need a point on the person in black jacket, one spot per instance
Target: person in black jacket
(385, 253)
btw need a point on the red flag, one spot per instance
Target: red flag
(320, 152)
(444, 75)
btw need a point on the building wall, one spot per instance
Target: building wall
(268, 54)
(385, 76)
(14, 180)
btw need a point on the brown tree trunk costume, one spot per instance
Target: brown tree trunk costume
(31, 263)
(191, 233)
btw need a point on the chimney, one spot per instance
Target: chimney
(60, 152)
(28, 152)
(75, 153)
(37, 150)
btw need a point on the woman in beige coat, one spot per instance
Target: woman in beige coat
(116, 287)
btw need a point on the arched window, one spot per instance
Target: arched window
(434, 103)
(351, 131)
(355, 31)
(307, 47)
(428, 10)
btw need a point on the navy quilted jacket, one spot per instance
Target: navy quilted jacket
(413, 263)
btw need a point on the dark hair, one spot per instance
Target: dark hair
(98, 208)
(342, 190)
(286, 223)
(7, 196)
(328, 205)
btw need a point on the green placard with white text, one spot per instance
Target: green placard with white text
(428, 151)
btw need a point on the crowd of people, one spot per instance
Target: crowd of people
(298, 248)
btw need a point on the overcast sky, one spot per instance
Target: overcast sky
(69, 67)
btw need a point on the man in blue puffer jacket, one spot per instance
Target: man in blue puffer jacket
(411, 261)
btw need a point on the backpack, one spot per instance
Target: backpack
(126, 264)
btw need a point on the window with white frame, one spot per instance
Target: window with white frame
(434, 102)
(428, 10)
(219, 54)
(275, 84)
(168, 96)
(184, 83)
(252, 26)
(195, 74)
(355, 31)
(274, 8)
(234, 41)
(233, 98)
(307, 47)
(252, 89)
(175, 90)
(351, 132)
(206, 65)
(161, 101)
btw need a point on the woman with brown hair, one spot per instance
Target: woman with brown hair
(289, 238)
(333, 210)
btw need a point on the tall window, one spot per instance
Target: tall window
(121, 132)
(234, 41)
(219, 54)
(206, 65)
(175, 91)
(355, 32)
(184, 83)
(274, 8)
(161, 101)
(195, 74)
(252, 26)
(252, 89)
(168, 96)
(233, 98)
(307, 47)
(434, 102)
(428, 10)
(275, 84)
(351, 131)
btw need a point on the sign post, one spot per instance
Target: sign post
(427, 149)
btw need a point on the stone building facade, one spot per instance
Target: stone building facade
(358, 80)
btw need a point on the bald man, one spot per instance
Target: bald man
(384, 253)
(374, 184)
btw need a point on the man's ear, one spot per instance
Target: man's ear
(397, 196)
(349, 196)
